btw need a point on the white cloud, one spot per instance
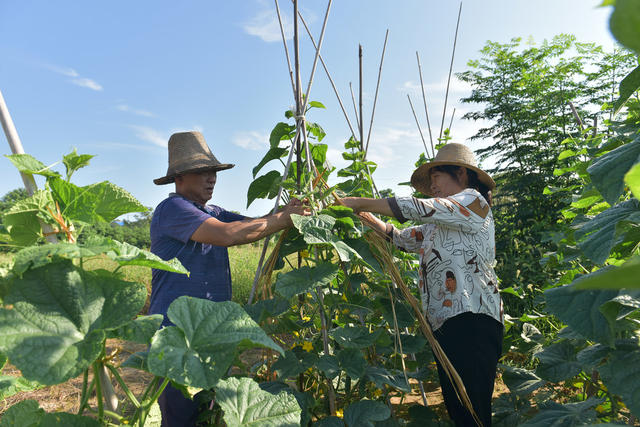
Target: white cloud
(251, 140)
(151, 135)
(265, 25)
(76, 79)
(127, 109)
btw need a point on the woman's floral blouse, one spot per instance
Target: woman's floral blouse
(456, 242)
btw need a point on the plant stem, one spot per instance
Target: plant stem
(97, 367)
(120, 381)
(86, 390)
(325, 341)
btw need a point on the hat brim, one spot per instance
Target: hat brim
(421, 181)
(171, 178)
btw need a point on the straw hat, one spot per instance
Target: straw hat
(189, 152)
(450, 154)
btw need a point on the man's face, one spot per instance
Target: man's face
(197, 186)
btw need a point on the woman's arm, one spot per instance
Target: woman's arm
(363, 204)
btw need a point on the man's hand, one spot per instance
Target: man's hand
(297, 207)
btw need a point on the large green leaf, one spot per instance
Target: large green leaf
(305, 278)
(354, 336)
(23, 414)
(74, 161)
(590, 357)
(329, 366)
(597, 235)
(294, 363)
(245, 404)
(521, 381)
(329, 422)
(10, 385)
(125, 254)
(625, 23)
(102, 201)
(625, 276)
(28, 164)
(628, 86)
(281, 131)
(621, 375)
(140, 330)
(272, 154)
(580, 309)
(200, 348)
(38, 256)
(21, 221)
(352, 362)
(263, 309)
(558, 362)
(632, 179)
(570, 414)
(365, 412)
(608, 171)
(54, 320)
(264, 187)
(315, 229)
(380, 376)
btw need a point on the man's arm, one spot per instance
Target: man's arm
(219, 233)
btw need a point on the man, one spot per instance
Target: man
(184, 227)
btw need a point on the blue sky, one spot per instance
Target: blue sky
(116, 78)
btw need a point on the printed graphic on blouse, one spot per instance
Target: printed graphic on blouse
(456, 242)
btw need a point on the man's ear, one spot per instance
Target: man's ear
(463, 177)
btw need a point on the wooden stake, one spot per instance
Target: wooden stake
(418, 124)
(451, 122)
(453, 54)
(286, 50)
(360, 94)
(355, 107)
(375, 98)
(424, 101)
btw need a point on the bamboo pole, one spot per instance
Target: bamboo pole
(360, 95)
(424, 101)
(16, 148)
(355, 107)
(453, 54)
(286, 49)
(451, 122)
(375, 98)
(418, 124)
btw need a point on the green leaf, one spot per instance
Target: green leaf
(364, 251)
(272, 154)
(621, 375)
(10, 385)
(365, 412)
(354, 336)
(625, 276)
(381, 377)
(23, 414)
(200, 348)
(315, 229)
(294, 363)
(558, 362)
(632, 179)
(62, 419)
(628, 86)
(352, 362)
(570, 414)
(581, 311)
(54, 321)
(305, 278)
(137, 360)
(607, 172)
(28, 164)
(316, 104)
(329, 422)
(625, 23)
(520, 381)
(264, 187)
(329, 366)
(38, 256)
(21, 221)
(600, 230)
(281, 131)
(125, 254)
(100, 202)
(245, 404)
(263, 309)
(140, 330)
(74, 161)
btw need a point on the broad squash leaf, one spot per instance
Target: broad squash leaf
(632, 179)
(28, 164)
(521, 381)
(381, 377)
(305, 278)
(625, 23)
(21, 221)
(621, 375)
(281, 131)
(245, 404)
(125, 254)
(625, 276)
(54, 320)
(140, 330)
(352, 362)
(365, 412)
(607, 172)
(354, 336)
(294, 363)
(272, 154)
(558, 362)
(200, 348)
(10, 385)
(264, 187)
(23, 414)
(570, 414)
(628, 86)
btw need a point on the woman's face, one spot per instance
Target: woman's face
(444, 185)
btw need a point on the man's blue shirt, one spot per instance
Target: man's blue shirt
(174, 221)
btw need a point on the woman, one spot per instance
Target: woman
(455, 238)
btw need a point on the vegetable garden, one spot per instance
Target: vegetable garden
(334, 339)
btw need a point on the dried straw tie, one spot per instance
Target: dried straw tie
(384, 255)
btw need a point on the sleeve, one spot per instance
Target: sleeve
(179, 219)
(410, 239)
(449, 212)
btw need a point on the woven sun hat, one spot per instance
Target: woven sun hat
(189, 153)
(450, 154)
